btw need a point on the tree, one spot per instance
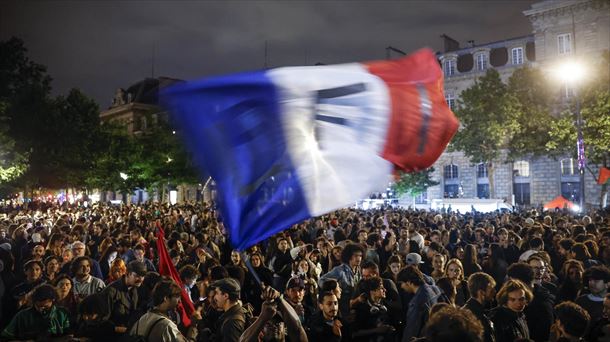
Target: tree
(595, 110)
(24, 91)
(487, 113)
(414, 183)
(12, 163)
(533, 116)
(68, 142)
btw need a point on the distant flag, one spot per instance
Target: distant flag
(604, 175)
(291, 143)
(167, 268)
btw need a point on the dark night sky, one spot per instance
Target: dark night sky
(98, 46)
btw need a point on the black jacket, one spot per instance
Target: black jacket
(320, 330)
(231, 325)
(508, 324)
(122, 303)
(479, 311)
(539, 314)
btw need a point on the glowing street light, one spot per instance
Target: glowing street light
(572, 73)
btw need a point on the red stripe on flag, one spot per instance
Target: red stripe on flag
(604, 175)
(417, 136)
(167, 268)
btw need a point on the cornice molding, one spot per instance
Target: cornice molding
(536, 14)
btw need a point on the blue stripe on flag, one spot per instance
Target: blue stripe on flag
(233, 128)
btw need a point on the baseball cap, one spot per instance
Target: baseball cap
(227, 285)
(295, 282)
(137, 267)
(414, 259)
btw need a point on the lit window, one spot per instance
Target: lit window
(522, 193)
(482, 170)
(421, 198)
(517, 55)
(568, 167)
(483, 190)
(564, 43)
(449, 67)
(521, 168)
(450, 98)
(451, 171)
(481, 61)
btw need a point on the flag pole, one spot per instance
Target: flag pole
(251, 269)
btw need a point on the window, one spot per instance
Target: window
(482, 170)
(571, 191)
(517, 55)
(422, 198)
(449, 67)
(452, 190)
(451, 171)
(568, 167)
(481, 61)
(521, 168)
(564, 43)
(483, 190)
(522, 193)
(450, 98)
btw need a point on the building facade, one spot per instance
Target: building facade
(561, 29)
(137, 107)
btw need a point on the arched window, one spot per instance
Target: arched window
(521, 168)
(451, 171)
(482, 170)
(568, 167)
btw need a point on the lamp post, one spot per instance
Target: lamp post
(571, 73)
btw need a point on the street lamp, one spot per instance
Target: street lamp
(572, 73)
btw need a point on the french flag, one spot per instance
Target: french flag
(291, 143)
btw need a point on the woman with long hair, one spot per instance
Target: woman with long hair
(108, 256)
(470, 262)
(394, 266)
(571, 283)
(117, 270)
(495, 264)
(454, 271)
(66, 297)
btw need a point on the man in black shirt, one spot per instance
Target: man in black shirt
(482, 288)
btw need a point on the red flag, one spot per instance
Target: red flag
(604, 175)
(166, 268)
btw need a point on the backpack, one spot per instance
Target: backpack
(140, 338)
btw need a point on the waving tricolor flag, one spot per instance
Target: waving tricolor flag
(291, 143)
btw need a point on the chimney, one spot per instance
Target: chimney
(449, 44)
(471, 43)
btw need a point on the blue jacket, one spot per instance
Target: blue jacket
(419, 307)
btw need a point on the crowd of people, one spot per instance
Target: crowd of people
(90, 273)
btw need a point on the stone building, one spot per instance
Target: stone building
(137, 107)
(561, 29)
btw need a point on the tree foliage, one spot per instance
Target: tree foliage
(414, 183)
(533, 116)
(595, 110)
(488, 115)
